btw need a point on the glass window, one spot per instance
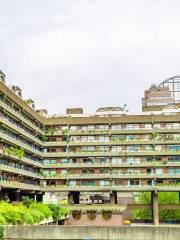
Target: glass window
(53, 161)
(116, 160)
(177, 170)
(171, 171)
(73, 128)
(159, 171)
(103, 127)
(46, 161)
(104, 183)
(63, 171)
(64, 160)
(116, 127)
(116, 148)
(88, 183)
(72, 183)
(104, 139)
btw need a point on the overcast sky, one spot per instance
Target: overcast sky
(88, 53)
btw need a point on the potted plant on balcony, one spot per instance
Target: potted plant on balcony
(153, 136)
(20, 153)
(106, 215)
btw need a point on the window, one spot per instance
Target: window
(103, 148)
(103, 127)
(88, 127)
(64, 160)
(104, 183)
(72, 183)
(46, 161)
(103, 171)
(117, 171)
(88, 183)
(171, 171)
(53, 161)
(116, 127)
(88, 161)
(104, 139)
(64, 172)
(116, 160)
(103, 160)
(134, 182)
(159, 171)
(177, 170)
(73, 128)
(116, 148)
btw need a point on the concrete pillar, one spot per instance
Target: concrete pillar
(70, 198)
(113, 197)
(155, 208)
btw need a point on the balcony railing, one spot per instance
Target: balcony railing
(20, 130)
(122, 188)
(20, 116)
(112, 165)
(115, 176)
(19, 185)
(117, 131)
(114, 143)
(19, 143)
(23, 159)
(104, 154)
(6, 168)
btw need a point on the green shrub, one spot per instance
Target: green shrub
(27, 201)
(36, 215)
(1, 232)
(41, 208)
(56, 213)
(2, 220)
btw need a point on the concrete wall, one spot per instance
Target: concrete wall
(91, 233)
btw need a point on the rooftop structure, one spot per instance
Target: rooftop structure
(165, 95)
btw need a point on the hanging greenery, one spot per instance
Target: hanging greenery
(14, 151)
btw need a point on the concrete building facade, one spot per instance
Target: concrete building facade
(85, 158)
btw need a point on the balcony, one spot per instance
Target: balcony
(121, 131)
(124, 188)
(111, 165)
(18, 171)
(110, 143)
(113, 154)
(9, 138)
(23, 159)
(19, 185)
(20, 130)
(115, 176)
(20, 116)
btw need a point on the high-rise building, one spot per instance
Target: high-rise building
(165, 95)
(87, 158)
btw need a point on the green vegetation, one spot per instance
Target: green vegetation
(1, 232)
(163, 198)
(154, 136)
(14, 151)
(58, 212)
(29, 212)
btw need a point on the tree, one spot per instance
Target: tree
(163, 198)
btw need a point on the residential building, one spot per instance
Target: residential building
(86, 158)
